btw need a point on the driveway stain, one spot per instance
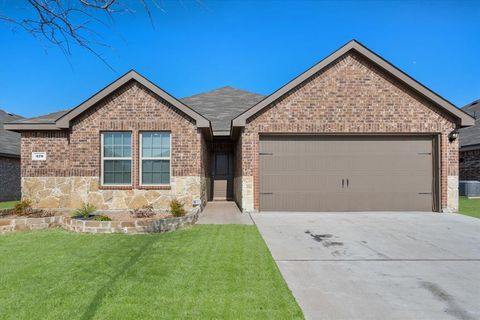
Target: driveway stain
(323, 238)
(452, 308)
(332, 243)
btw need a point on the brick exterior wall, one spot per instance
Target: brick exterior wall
(470, 165)
(134, 108)
(9, 179)
(55, 143)
(351, 96)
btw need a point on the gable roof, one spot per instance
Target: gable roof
(221, 105)
(61, 120)
(464, 118)
(9, 141)
(470, 137)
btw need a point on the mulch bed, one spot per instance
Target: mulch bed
(126, 216)
(31, 213)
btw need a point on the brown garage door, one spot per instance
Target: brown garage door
(346, 173)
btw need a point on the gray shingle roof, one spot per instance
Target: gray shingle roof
(471, 135)
(9, 141)
(47, 118)
(221, 105)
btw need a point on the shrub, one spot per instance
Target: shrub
(85, 210)
(177, 208)
(22, 208)
(101, 217)
(144, 212)
(39, 213)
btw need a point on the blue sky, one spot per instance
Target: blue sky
(252, 45)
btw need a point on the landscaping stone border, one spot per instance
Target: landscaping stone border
(25, 224)
(91, 226)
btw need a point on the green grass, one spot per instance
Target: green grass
(469, 207)
(8, 204)
(205, 272)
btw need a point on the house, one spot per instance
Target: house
(352, 133)
(9, 159)
(470, 145)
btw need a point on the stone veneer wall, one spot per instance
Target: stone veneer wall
(28, 224)
(70, 176)
(206, 179)
(351, 97)
(237, 191)
(237, 173)
(137, 226)
(243, 189)
(470, 165)
(73, 192)
(9, 179)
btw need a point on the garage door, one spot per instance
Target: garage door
(346, 173)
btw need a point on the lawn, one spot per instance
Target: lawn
(7, 204)
(469, 207)
(205, 272)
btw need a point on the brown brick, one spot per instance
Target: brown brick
(351, 97)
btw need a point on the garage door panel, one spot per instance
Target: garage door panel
(305, 201)
(399, 201)
(391, 163)
(417, 183)
(305, 173)
(292, 162)
(301, 183)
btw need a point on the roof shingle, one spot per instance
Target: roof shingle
(221, 105)
(46, 118)
(9, 141)
(471, 135)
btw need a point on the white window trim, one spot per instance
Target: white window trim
(141, 158)
(103, 158)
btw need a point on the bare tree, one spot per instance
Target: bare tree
(67, 22)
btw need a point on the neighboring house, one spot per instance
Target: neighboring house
(470, 145)
(352, 133)
(9, 160)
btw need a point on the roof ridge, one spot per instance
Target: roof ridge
(11, 113)
(471, 103)
(218, 89)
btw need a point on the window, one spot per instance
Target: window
(155, 158)
(117, 158)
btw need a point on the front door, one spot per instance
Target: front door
(222, 176)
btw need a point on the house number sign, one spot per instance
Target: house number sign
(39, 156)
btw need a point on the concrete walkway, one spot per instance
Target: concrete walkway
(378, 265)
(223, 212)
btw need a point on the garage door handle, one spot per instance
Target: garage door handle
(347, 182)
(343, 183)
(266, 192)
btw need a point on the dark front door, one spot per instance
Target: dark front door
(222, 175)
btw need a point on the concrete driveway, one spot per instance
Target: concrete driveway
(378, 265)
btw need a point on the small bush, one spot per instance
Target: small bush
(177, 208)
(22, 208)
(101, 217)
(85, 210)
(144, 212)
